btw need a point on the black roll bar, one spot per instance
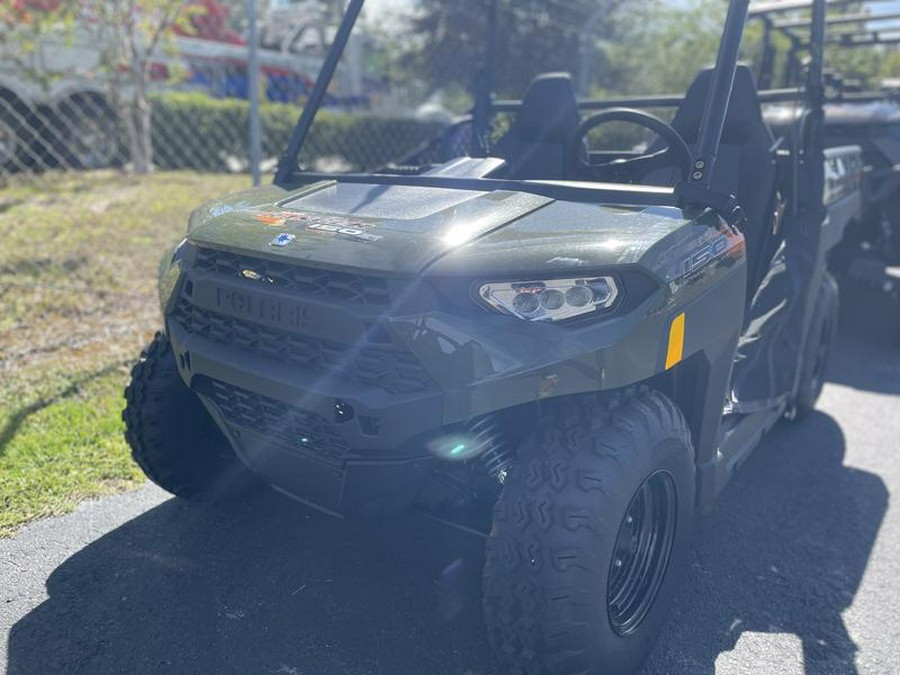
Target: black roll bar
(865, 38)
(765, 8)
(858, 17)
(287, 165)
(484, 90)
(574, 191)
(717, 98)
(815, 82)
(663, 101)
(867, 96)
(871, 29)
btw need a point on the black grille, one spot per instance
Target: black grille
(395, 371)
(340, 286)
(299, 430)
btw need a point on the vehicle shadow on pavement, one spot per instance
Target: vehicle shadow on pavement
(267, 586)
(784, 553)
(261, 586)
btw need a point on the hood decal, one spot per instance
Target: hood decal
(339, 226)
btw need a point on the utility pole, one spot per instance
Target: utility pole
(253, 93)
(588, 35)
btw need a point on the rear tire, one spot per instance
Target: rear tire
(822, 336)
(172, 436)
(562, 554)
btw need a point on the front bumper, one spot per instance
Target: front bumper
(288, 434)
(331, 395)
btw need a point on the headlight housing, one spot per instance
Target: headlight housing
(170, 272)
(551, 299)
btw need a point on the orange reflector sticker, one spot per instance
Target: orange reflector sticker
(676, 341)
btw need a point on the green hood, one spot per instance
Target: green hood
(384, 229)
(401, 230)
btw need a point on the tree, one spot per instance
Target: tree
(128, 33)
(447, 41)
(125, 33)
(22, 24)
(890, 66)
(663, 45)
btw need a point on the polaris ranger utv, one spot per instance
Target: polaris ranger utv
(853, 116)
(577, 345)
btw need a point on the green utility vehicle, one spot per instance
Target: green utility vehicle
(568, 349)
(853, 116)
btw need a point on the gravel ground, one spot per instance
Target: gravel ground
(797, 570)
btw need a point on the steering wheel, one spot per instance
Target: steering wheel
(676, 154)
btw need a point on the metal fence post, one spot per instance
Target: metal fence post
(586, 46)
(253, 92)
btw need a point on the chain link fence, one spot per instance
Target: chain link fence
(391, 96)
(196, 131)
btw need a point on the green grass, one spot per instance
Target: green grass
(78, 266)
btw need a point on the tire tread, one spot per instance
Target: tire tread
(555, 503)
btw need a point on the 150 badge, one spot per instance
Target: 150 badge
(704, 254)
(348, 232)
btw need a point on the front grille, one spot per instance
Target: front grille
(299, 430)
(339, 286)
(395, 371)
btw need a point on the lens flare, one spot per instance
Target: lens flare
(454, 447)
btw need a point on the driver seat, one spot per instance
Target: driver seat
(535, 147)
(746, 165)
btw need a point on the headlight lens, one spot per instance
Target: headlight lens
(551, 300)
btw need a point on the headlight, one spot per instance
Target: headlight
(551, 300)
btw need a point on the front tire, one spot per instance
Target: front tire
(591, 534)
(172, 436)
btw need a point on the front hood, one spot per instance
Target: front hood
(400, 230)
(383, 229)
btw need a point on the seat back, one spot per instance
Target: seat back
(745, 166)
(535, 147)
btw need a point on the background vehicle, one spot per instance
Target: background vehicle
(299, 25)
(853, 116)
(572, 347)
(55, 106)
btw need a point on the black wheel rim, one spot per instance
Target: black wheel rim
(641, 554)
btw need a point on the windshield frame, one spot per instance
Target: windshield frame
(696, 191)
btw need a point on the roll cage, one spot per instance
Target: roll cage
(694, 192)
(862, 25)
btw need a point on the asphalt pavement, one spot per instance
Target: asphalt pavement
(796, 571)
